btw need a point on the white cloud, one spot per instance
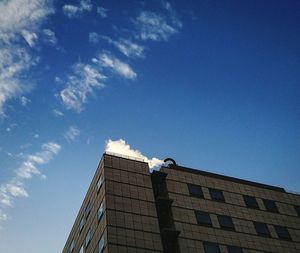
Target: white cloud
(74, 11)
(3, 216)
(94, 37)
(17, 15)
(29, 167)
(36, 136)
(153, 26)
(102, 12)
(121, 147)
(30, 37)
(82, 83)
(14, 60)
(174, 19)
(116, 65)
(24, 100)
(125, 46)
(57, 113)
(71, 11)
(72, 133)
(19, 19)
(15, 188)
(49, 37)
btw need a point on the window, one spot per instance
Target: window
(72, 246)
(100, 182)
(81, 249)
(270, 205)
(101, 244)
(234, 249)
(282, 232)
(195, 190)
(81, 224)
(203, 218)
(216, 195)
(87, 210)
(88, 238)
(251, 202)
(297, 209)
(100, 211)
(225, 222)
(210, 247)
(262, 229)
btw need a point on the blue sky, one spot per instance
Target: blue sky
(212, 84)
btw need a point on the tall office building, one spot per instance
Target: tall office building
(178, 209)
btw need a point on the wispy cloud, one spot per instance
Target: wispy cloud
(102, 12)
(57, 113)
(94, 37)
(49, 37)
(24, 100)
(15, 188)
(19, 20)
(121, 147)
(75, 11)
(80, 84)
(72, 133)
(155, 27)
(30, 37)
(125, 46)
(114, 64)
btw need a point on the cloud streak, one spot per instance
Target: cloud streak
(15, 188)
(75, 11)
(19, 21)
(121, 147)
(72, 133)
(80, 84)
(125, 46)
(155, 27)
(115, 65)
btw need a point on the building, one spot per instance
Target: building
(178, 209)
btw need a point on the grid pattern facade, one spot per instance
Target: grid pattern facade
(128, 220)
(127, 209)
(225, 223)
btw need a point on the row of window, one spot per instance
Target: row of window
(210, 247)
(203, 218)
(215, 194)
(85, 216)
(250, 201)
(88, 238)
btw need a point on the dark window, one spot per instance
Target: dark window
(210, 247)
(270, 205)
(251, 202)
(72, 246)
(262, 229)
(195, 190)
(282, 232)
(101, 244)
(100, 182)
(88, 238)
(81, 224)
(297, 209)
(88, 210)
(225, 222)
(234, 249)
(216, 195)
(203, 218)
(100, 211)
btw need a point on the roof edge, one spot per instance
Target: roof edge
(228, 178)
